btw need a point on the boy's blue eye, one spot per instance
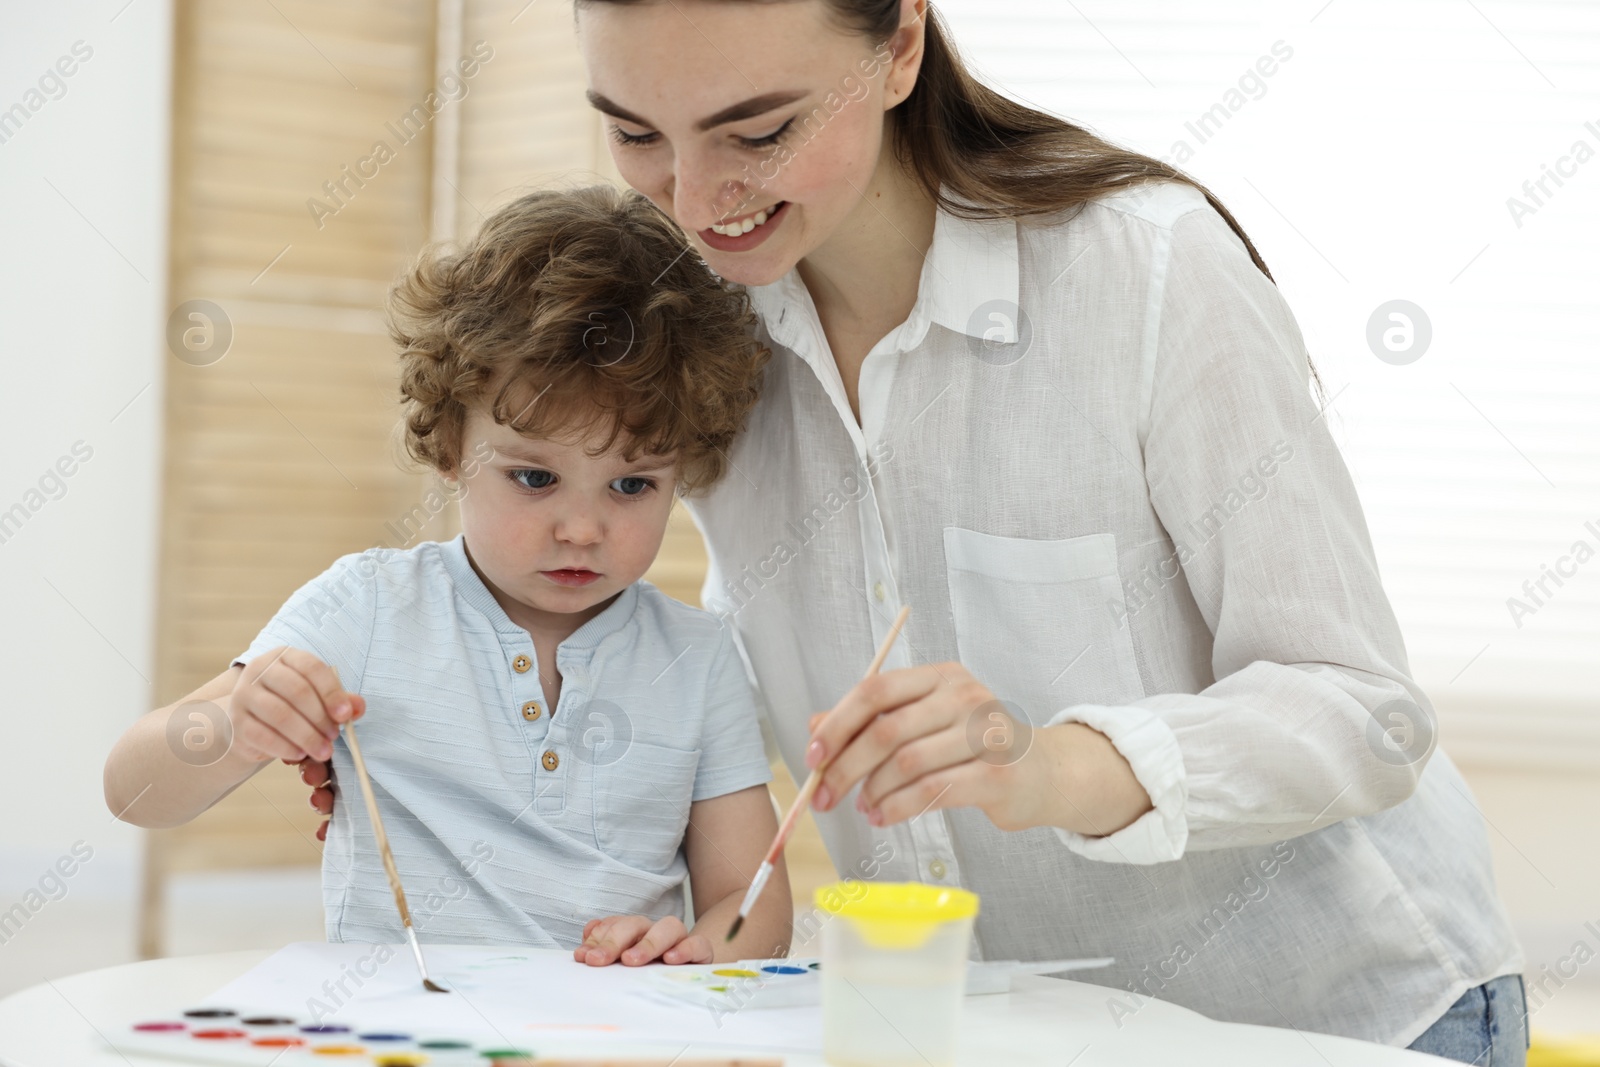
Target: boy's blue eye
(532, 479)
(631, 486)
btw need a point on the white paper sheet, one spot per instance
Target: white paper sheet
(518, 996)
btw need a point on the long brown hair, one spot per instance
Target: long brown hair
(1004, 159)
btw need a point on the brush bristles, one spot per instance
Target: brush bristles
(733, 931)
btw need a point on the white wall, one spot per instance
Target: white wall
(83, 220)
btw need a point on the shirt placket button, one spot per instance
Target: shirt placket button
(550, 760)
(521, 664)
(531, 710)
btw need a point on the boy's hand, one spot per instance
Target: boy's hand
(635, 940)
(288, 704)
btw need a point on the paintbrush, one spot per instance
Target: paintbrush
(813, 780)
(388, 857)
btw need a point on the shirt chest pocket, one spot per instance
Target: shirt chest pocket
(1038, 621)
(641, 803)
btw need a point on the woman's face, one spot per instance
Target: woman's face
(727, 113)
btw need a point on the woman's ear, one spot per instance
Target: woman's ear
(906, 44)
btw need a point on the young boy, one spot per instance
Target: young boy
(553, 743)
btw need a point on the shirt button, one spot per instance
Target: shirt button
(521, 664)
(879, 592)
(550, 760)
(936, 868)
(531, 710)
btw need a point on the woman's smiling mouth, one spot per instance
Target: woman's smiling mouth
(748, 222)
(743, 234)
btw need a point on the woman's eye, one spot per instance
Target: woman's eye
(640, 140)
(532, 479)
(632, 486)
(769, 140)
(622, 136)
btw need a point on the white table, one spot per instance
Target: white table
(1042, 1021)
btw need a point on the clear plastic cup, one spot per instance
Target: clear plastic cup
(894, 969)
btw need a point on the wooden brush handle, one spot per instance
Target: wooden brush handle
(814, 779)
(377, 823)
(888, 641)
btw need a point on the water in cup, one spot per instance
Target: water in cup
(894, 963)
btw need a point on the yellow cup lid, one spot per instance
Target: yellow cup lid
(896, 914)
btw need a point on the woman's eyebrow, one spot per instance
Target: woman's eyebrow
(745, 109)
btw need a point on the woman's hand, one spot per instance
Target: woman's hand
(318, 774)
(925, 738)
(635, 940)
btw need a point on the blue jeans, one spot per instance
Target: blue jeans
(1488, 1026)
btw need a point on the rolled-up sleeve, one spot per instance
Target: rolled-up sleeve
(1313, 716)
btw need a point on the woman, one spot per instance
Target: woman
(1151, 701)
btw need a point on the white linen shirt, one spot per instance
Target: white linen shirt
(511, 822)
(1089, 461)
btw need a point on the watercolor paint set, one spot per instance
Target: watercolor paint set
(225, 1036)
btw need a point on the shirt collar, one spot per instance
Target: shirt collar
(616, 615)
(972, 263)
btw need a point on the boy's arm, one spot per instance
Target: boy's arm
(177, 761)
(148, 784)
(727, 838)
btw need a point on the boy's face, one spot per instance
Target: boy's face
(555, 532)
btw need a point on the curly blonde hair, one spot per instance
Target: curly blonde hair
(570, 309)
